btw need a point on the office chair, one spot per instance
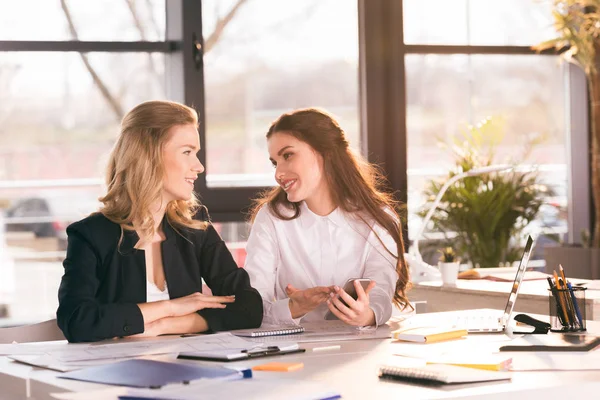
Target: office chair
(40, 332)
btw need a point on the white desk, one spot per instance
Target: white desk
(13, 379)
(483, 293)
(352, 370)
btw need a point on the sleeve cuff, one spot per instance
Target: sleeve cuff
(280, 314)
(382, 308)
(131, 321)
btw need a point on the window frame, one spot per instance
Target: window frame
(383, 103)
(382, 97)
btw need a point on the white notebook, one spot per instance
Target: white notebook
(271, 331)
(441, 374)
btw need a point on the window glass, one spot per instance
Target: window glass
(273, 57)
(478, 22)
(56, 131)
(105, 20)
(523, 95)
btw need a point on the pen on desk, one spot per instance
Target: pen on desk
(561, 298)
(575, 305)
(326, 348)
(568, 295)
(559, 310)
(569, 303)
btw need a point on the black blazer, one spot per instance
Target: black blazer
(103, 282)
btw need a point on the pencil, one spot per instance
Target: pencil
(570, 304)
(561, 298)
(562, 274)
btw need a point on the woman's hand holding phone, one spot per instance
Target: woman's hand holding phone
(354, 312)
(304, 301)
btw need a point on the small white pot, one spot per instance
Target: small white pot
(449, 272)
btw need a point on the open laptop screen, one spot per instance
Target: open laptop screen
(512, 298)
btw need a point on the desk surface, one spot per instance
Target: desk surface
(533, 296)
(352, 370)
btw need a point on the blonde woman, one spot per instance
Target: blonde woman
(136, 266)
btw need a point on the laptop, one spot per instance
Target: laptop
(493, 320)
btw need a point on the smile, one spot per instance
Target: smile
(288, 184)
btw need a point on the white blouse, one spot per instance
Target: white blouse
(153, 293)
(314, 250)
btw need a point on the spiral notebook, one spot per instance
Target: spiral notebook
(271, 331)
(440, 374)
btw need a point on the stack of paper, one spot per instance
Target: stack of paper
(68, 357)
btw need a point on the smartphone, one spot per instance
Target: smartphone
(351, 290)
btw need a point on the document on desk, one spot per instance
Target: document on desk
(327, 331)
(124, 348)
(28, 348)
(248, 389)
(48, 362)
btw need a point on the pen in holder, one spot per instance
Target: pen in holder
(567, 309)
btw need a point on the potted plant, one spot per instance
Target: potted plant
(448, 265)
(577, 23)
(483, 216)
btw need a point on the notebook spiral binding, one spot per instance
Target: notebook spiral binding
(275, 332)
(415, 373)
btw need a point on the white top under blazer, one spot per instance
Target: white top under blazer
(153, 293)
(314, 250)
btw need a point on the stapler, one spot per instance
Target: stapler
(541, 327)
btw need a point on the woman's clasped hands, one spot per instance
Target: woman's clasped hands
(181, 311)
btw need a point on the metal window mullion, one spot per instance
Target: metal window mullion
(474, 50)
(185, 83)
(89, 46)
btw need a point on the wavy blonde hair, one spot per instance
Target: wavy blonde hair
(134, 177)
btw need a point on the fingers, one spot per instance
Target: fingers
(341, 316)
(372, 284)
(289, 289)
(346, 297)
(218, 299)
(344, 309)
(362, 294)
(211, 305)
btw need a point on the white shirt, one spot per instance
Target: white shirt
(153, 293)
(314, 250)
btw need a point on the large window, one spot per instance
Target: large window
(468, 61)
(68, 73)
(273, 57)
(399, 75)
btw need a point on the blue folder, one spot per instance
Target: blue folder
(150, 373)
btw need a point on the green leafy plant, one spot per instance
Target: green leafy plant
(577, 24)
(479, 215)
(447, 255)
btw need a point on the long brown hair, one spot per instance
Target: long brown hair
(134, 177)
(356, 186)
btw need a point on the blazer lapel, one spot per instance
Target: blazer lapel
(178, 280)
(133, 269)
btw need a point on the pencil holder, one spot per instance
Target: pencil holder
(567, 309)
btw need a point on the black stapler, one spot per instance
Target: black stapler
(541, 327)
